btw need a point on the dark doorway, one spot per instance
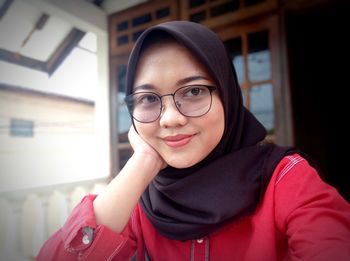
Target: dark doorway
(317, 51)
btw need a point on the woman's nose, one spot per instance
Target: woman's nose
(170, 115)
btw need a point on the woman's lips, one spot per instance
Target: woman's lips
(177, 140)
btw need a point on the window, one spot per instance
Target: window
(21, 128)
(215, 13)
(251, 57)
(127, 25)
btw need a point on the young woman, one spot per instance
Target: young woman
(201, 185)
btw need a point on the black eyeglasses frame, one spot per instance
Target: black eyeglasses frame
(128, 99)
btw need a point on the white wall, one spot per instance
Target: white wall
(50, 172)
(89, 18)
(63, 148)
(112, 6)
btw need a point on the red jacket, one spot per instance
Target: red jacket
(299, 218)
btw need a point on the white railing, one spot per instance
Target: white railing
(29, 217)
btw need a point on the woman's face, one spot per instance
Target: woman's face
(181, 141)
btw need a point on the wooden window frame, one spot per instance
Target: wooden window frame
(244, 12)
(281, 97)
(134, 12)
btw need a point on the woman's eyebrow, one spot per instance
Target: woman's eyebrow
(150, 87)
(146, 86)
(190, 79)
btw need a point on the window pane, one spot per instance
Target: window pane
(122, 26)
(122, 40)
(259, 66)
(124, 121)
(198, 17)
(234, 47)
(261, 105)
(259, 61)
(164, 12)
(23, 128)
(224, 8)
(196, 3)
(143, 19)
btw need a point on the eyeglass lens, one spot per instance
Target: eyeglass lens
(191, 101)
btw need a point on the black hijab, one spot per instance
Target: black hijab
(191, 203)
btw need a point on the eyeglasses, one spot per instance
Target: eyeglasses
(190, 100)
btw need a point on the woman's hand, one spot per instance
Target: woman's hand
(114, 205)
(141, 146)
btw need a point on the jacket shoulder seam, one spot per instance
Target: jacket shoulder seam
(292, 161)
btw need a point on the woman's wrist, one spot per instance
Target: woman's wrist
(150, 163)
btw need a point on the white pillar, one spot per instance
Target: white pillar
(32, 226)
(76, 196)
(57, 211)
(8, 231)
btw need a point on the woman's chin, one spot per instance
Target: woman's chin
(180, 164)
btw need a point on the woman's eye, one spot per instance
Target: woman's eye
(194, 91)
(147, 99)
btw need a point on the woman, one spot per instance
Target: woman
(201, 185)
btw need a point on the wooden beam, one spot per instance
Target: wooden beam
(12, 57)
(5, 6)
(61, 53)
(98, 2)
(68, 44)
